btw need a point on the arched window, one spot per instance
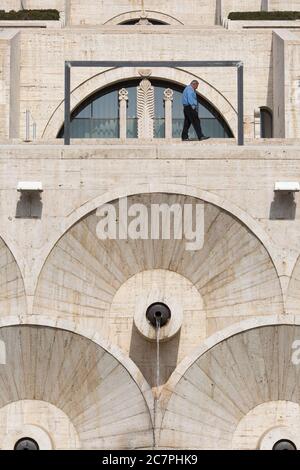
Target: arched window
(266, 123)
(143, 21)
(99, 115)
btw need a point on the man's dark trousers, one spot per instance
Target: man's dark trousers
(191, 117)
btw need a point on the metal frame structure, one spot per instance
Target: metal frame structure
(150, 63)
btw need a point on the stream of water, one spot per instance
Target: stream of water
(157, 352)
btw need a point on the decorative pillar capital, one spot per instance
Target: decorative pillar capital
(168, 94)
(123, 98)
(123, 95)
(168, 99)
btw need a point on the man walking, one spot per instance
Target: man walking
(190, 109)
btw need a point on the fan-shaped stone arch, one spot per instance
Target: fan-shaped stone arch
(12, 291)
(232, 272)
(88, 384)
(207, 404)
(84, 88)
(129, 190)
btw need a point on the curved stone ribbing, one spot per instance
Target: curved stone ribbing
(89, 385)
(233, 271)
(293, 297)
(12, 293)
(224, 384)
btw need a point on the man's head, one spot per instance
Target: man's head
(194, 84)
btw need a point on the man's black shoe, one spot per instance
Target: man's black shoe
(184, 140)
(204, 137)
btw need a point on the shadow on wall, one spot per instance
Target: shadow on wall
(143, 353)
(218, 16)
(283, 206)
(264, 5)
(29, 206)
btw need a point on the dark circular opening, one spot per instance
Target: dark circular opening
(26, 443)
(284, 444)
(158, 313)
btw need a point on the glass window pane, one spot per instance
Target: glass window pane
(159, 107)
(159, 111)
(204, 112)
(131, 104)
(131, 131)
(177, 109)
(80, 128)
(131, 128)
(159, 128)
(212, 128)
(86, 112)
(177, 126)
(95, 128)
(106, 106)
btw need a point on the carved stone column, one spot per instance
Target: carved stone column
(145, 109)
(257, 123)
(123, 98)
(168, 99)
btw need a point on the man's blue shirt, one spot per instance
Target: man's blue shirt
(189, 96)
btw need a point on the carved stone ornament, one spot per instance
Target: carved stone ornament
(145, 109)
(123, 94)
(168, 94)
(145, 73)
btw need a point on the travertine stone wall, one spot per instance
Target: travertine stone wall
(39, 420)
(32, 4)
(258, 5)
(240, 178)
(286, 72)
(293, 301)
(257, 428)
(101, 11)
(202, 11)
(14, 98)
(12, 293)
(4, 83)
(279, 89)
(240, 5)
(277, 5)
(10, 5)
(42, 56)
(226, 376)
(9, 83)
(73, 284)
(232, 272)
(42, 72)
(208, 399)
(292, 86)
